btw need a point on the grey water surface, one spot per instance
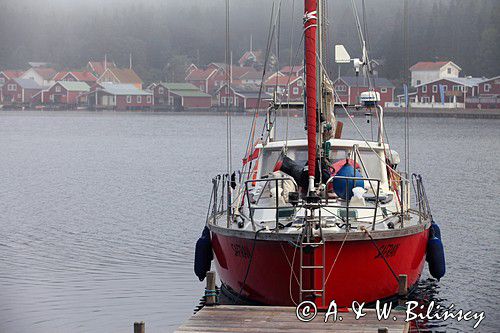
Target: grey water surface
(99, 213)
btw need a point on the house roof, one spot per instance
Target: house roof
(12, 74)
(291, 69)
(190, 93)
(27, 83)
(79, 75)
(74, 85)
(281, 80)
(431, 65)
(464, 81)
(358, 81)
(200, 74)
(38, 64)
(99, 68)
(179, 86)
(125, 75)
(46, 73)
(255, 55)
(255, 75)
(122, 89)
(248, 91)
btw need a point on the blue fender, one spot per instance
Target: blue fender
(203, 255)
(435, 253)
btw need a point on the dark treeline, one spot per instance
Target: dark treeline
(164, 35)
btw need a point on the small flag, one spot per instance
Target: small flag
(441, 92)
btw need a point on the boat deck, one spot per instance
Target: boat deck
(275, 319)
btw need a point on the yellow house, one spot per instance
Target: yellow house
(121, 76)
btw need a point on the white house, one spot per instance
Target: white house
(427, 71)
(41, 75)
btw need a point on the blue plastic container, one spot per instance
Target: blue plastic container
(342, 187)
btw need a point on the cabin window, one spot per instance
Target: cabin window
(449, 70)
(148, 99)
(223, 100)
(383, 90)
(58, 89)
(419, 82)
(372, 164)
(424, 89)
(426, 100)
(487, 87)
(434, 88)
(161, 90)
(129, 99)
(12, 87)
(139, 99)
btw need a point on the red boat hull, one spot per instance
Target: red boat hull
(360, 272)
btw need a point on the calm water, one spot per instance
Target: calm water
(99, 214)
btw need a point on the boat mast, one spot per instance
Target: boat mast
(310, 25)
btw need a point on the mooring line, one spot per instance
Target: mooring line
(380, 252)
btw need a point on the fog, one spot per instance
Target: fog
(164, 35)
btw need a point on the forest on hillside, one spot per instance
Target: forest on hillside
(164, 35)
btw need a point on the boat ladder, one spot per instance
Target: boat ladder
(314, 268)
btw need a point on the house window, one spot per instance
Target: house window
(148, 99)
(424, 89)
(223, 100)
(170, 100)
(12, 87)
(434, 88)
(487, 87)
(230, 101)
(58, 89)
(236, 100)
(426, 100)
(139, 99)
(340, 88)
(160, 91)
(445, 88)
(295, 90)
(383, 90)
(449, 70)
(129, 99)
(419, 82)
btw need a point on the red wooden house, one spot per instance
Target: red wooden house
(81, 76)
(7, 75)
(287, 87)
(179, 96)
(201, 78)
(63, 93)
(19, 91)
(242, 97)
(488, 95)
(297, 70)
(453, 90)
(119, 97)
(348, 89)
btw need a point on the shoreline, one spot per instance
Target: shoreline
(414, 113)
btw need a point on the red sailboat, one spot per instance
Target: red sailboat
(323, 218)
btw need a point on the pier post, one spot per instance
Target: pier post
(403, 288)
(139, 327)
(211, 298)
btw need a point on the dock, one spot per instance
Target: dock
(275, 319)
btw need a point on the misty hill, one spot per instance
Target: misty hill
(163, 35)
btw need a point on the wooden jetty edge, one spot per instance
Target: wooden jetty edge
(275, 319)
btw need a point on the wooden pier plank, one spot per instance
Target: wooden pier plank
(257, 319)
